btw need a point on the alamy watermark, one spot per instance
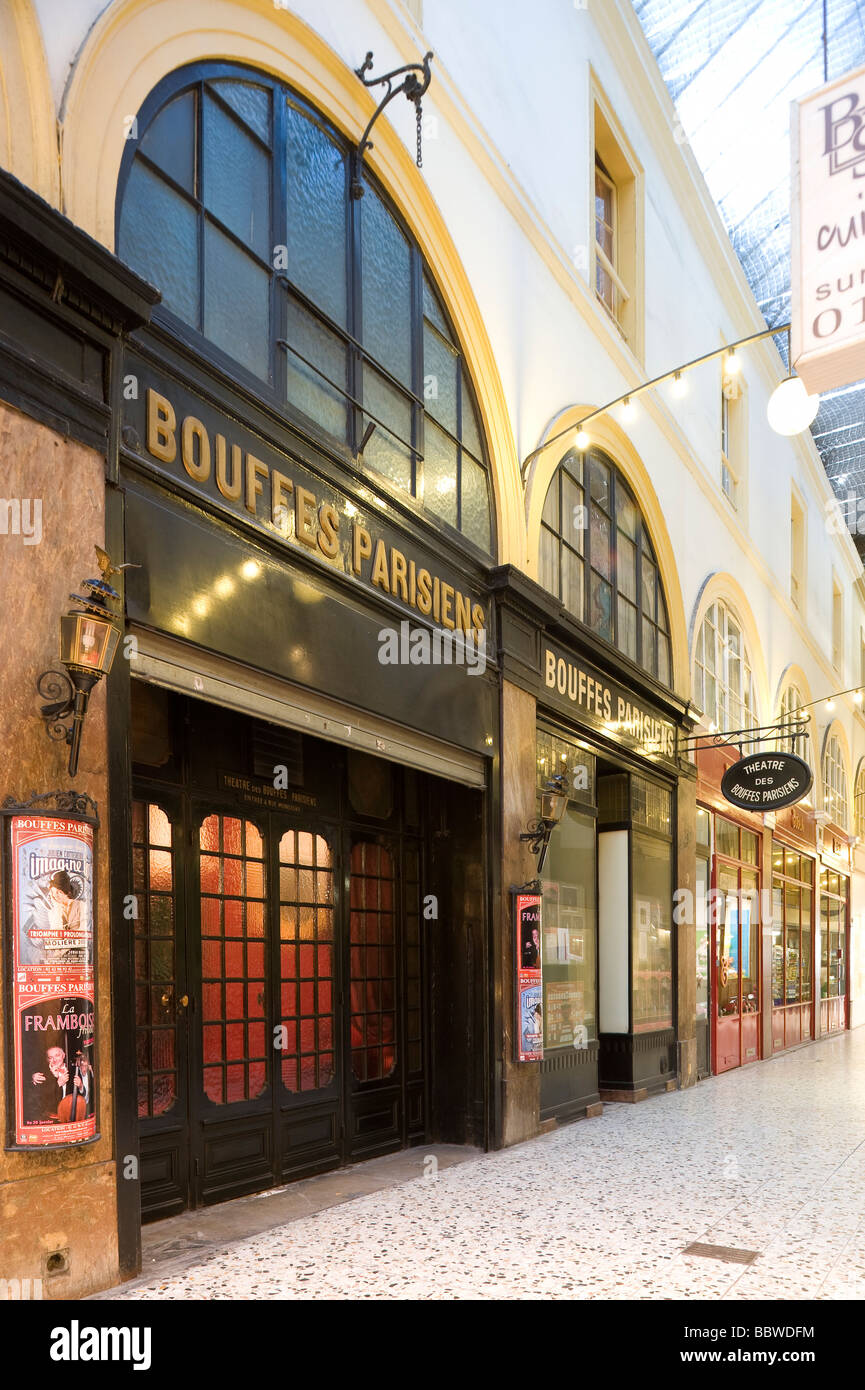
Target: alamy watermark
(420, 646)
(21, 516)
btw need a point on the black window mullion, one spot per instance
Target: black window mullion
(279, 237)
(355, 307)
(639, 576)
(199, 179)
(614, 556)
(418, 412)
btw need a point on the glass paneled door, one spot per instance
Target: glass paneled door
(736, 962)
(279, 1019)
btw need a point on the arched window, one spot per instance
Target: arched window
(859, 803)
(723, 680)
(790, 717)
(597, 557)
(234, 201)
(835, 782)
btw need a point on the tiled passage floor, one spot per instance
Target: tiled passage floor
(769, 1160)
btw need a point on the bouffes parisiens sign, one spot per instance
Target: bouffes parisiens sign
(766, 781)
(828, 243)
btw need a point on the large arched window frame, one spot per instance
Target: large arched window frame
(859, 802)
(596, 556)
(835, 793)
(723, 673)
(234, 200)
(790, 714)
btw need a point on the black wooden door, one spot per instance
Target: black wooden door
(279, 998)
(383, 1022)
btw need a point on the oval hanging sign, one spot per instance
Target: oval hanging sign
(767, 781)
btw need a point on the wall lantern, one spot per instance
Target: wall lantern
(554, 799)
(89, 636)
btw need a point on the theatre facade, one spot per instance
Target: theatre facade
(362, 652)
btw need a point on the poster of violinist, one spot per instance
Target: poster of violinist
(53, 996)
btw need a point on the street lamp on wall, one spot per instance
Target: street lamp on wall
(554, 799)
(89, 636)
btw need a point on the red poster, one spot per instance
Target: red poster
(53, 996)
(530, 1025)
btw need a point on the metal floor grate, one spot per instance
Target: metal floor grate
(728, 1253)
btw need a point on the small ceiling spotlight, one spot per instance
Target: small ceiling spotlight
(732, 363)
(830, 705)
(679, 386)
(581, 440)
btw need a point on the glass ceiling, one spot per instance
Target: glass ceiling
(733, 67)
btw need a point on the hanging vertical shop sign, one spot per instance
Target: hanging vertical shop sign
(49, 894)
(529, 992)
(827, 132)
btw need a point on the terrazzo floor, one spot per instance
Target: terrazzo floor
(770, 1159)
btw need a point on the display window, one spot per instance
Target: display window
(834, 896)
(792, 947)
(736, 958)
(701, 926)
(569, 934)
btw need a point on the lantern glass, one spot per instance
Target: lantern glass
(553, 806)
(88, 642)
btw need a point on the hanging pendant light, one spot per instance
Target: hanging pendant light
(791, 410)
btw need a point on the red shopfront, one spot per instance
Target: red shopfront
(733, 919)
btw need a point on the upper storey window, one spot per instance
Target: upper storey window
(597, 557)
(234, 201)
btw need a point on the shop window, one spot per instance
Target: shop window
(833, 935)
(792, 928)
(723, 679)
(617, 242)
(651, 805)
(569, 928)
(835, 799)
(559, 756)
(234, 201)
(597, 558)
(651, 933)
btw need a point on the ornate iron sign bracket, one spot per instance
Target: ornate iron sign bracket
(412, 86)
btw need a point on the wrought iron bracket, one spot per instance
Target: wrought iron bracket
(68, 802)
(57, 689)
(538, 831)
(791, 729)
(413, 88)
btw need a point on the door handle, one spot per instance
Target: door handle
(183, 1001)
